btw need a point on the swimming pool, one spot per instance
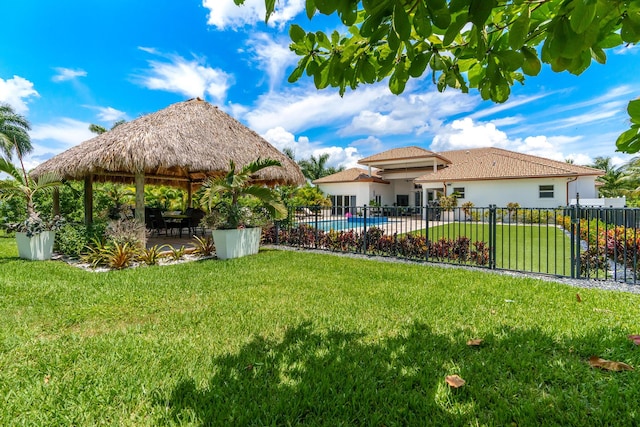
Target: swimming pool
(349, 223)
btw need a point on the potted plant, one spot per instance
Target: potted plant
(447, 205)
(239, 208)
(34, 236)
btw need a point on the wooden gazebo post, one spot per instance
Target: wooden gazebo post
(88, 200)
(140, 196)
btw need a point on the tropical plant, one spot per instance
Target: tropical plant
(120, 255)
(447, 203)
(483, 44)
(616, 181)
(229, 198)
(310, 196)
(177, 254)
(152, 255)
(99, 130)
(13, 132)
(204, 246)
(316, 167)
(23, 185)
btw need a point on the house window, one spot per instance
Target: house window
(459, 192)
(342, 204)
(546, 191)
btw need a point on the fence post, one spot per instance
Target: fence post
(492, 237)
(315, 236)
(364, 232)
(575, 242)
(426, 232)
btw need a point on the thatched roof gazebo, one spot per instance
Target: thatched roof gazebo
(180, 146)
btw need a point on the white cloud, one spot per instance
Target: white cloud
(370, 144)
(16, 92)
(273, 57)
(511, 103)
(462, 134)
(109, 114)
(369, 110)
(65, 74)
(304, 149)
(67, 131)
(226, 14)
(192, 78)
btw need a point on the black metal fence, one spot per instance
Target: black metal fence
(578, 242)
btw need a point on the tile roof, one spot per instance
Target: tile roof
(351, 175)
(497, 163)
(398, 154)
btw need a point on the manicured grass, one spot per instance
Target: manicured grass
(535, 248)
(287, 338)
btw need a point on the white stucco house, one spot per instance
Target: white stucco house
(412, 176)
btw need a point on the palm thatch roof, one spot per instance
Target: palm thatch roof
(179, 146)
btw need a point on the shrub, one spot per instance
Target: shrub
(151, 256)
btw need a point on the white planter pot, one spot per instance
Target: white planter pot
(236, 243)
(38, 247)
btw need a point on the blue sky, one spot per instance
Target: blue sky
(65, 65)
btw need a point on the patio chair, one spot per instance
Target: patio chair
(195, 217)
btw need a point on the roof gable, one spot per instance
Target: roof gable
(351, 175)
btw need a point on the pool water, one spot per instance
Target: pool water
(349, 223)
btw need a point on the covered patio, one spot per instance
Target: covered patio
(180, 146)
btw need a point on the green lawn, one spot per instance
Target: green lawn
(540, 249)
(287, 338)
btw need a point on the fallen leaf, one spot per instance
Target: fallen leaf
(475, 342)
(47, 378)
(249, 367)
(635, 339)
(493, 312)
(602, 310)
(609, 365)
(454, 381)
(578, 298)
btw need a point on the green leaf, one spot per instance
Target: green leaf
(519, 30)
(368, 71)
(421, 21)
(296, 33)
(401, 23)
(500, 90)
(310, 8)
(582, 15)
(297, 72)
(630, 31)
(323, 40)
(634, 111)
(439, 13)
(454, 29)
(598, 54)
(531, 65)
(510, 59)
(398, 80)
(419, 64)
(629, 141)
(479, 11)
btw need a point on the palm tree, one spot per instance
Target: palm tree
(222, 194)
(99, 130)
(13, 132)
(315, 168)
(616, 181)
